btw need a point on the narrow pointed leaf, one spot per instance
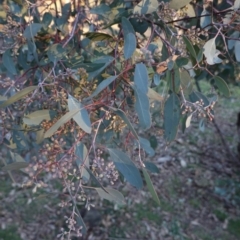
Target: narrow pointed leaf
(8, 62)
(103, 85)
(141, 77)
(82, 117)
(126, 167)
(127, 27)
(188, 121)
(111, 195)
(32, 30)
(81, 153)
(142, 107)
(124, 117)
(130, 44)
(65, 118)
(150, 186)
(190, 47)
(37, 117)
(18, 96)
(171, 117)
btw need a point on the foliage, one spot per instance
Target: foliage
(82, 84)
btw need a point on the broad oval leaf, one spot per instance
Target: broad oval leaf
(211, 53)
(222, 86)
(171, 117)
(32, 30)
(65, 118)
(130, 44)
(37, 117)
(8, 62)
(150, 186)
(47, 19)
(102, 85)
(82, 117)
(126, 167)
(18, 96)
(81, 153)
(111, 195)
(127, 27)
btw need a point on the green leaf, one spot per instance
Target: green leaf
(146, 7)
(181, 61)
(231, 42)
(130, 44)
(122, 114)
(103, 85)
(145, 144)
(56, 52)
(126, 167)
(190, 47)
(18, 163)
(37, 117)
(82, 117)
(32, 30)
(197, 96)
(141, 77)
(65, 118)
(200, 55)
(151, 167)
(15, 166)
(186, 82)
(47, 19)
(142, 107)
(176, 4)
(150, 186)
(153, 95)
(222, 86)
(81, 153)
(111, 195)
(8, 62)
(127, 27)
(140, 27)
(107, 60)
(18, 96)
(171, 117)
(96, 36)
(153, 141)
(174, 79)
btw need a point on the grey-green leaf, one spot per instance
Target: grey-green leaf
(82, 117)
(145, 144)
(126, 167)
(103, 85)
(81, 153)
(151, 167)
(8, 62)
(111, 195)
(190, 47)
(142, 107)
(141, 77)
(127, 27)
(122, 114)
(222, 86)
(150, 186)
(32, 30)
(35, 118)
(171, 117)
(65, 118)
(130, 44)
(18, 96)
